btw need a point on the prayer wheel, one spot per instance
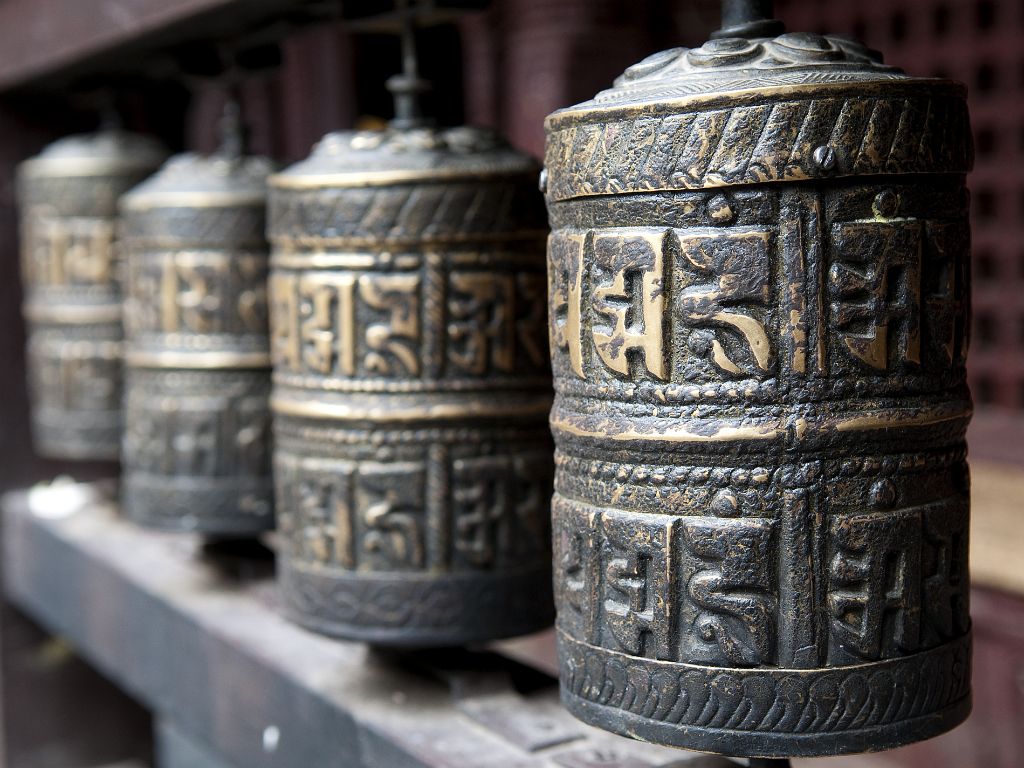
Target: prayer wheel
(758, 302)
(68, 197)
(197, 418)
(411, 388)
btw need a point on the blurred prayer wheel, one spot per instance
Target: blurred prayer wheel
(197, 418)
(68, 204)
(758, 313)
(411, 388)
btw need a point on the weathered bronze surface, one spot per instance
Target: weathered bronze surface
(758, 312)
(411, 388)
(197, 414)
(68, 203)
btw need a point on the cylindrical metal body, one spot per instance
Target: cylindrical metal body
(71, 274)
(197, 419)
(758, 310)
(411, 388)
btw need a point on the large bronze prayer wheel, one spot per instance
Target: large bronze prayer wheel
(758, 313)
(68, 197)
(197, 412)
(411, 388)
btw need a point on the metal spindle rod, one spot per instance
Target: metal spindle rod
(739, 12)
(748, 18)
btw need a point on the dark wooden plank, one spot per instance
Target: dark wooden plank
(53, 41)
(198, 639)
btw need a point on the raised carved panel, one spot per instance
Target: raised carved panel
(366, 515)
(421, 323)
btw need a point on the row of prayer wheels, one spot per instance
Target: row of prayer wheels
(755, 309)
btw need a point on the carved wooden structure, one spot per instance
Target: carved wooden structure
(197, 418)
(70, 271)
(411, 388)
(758, 307)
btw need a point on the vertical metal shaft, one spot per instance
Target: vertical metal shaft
(407, 86)
(748, 18)
(233, 134)
(736, 13)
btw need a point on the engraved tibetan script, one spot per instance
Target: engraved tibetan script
(733, 269)
(629, 300)
(876, 290)
(616, 296)
(636, 580)
(338, 323)
(874, 586)
(733, 587)
(482, 327)
(389, 498)
(499, 513)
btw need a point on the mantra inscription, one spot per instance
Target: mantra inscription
(412, 457)
(648, 303)
(761, 485)
(346, 324)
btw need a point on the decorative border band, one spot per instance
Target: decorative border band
(769, 712)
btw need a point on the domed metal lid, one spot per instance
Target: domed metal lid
(392, 156)
(755, 105)
(191, 179)
(729, 64)
(106, 152)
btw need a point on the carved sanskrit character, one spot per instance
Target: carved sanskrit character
(482, 329)
(143, 309)
(736, 594)
(482, 508)
(327, 330)
(393, 341)
(89, 256)
(199, 300)
(944, 611)
(565, 291)
(633, 300)
(531, 475)
(391, 509)
(251, 438)
(630, 619)
(737, 261)
(947, 243)
(876, 285)
(874, 586)
(500, 512)
(195, 442)
(251, 304)
(319, 504)
(635, 577)
(531, 317)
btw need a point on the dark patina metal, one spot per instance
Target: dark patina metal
(411, 386)
(758, 307)
(197, 419)
(68, 203)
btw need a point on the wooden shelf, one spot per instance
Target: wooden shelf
(52, 42)
(197, 639)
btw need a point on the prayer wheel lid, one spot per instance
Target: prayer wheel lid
(109, 151)
(774, 106)
(191, 179)
(394, 156)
